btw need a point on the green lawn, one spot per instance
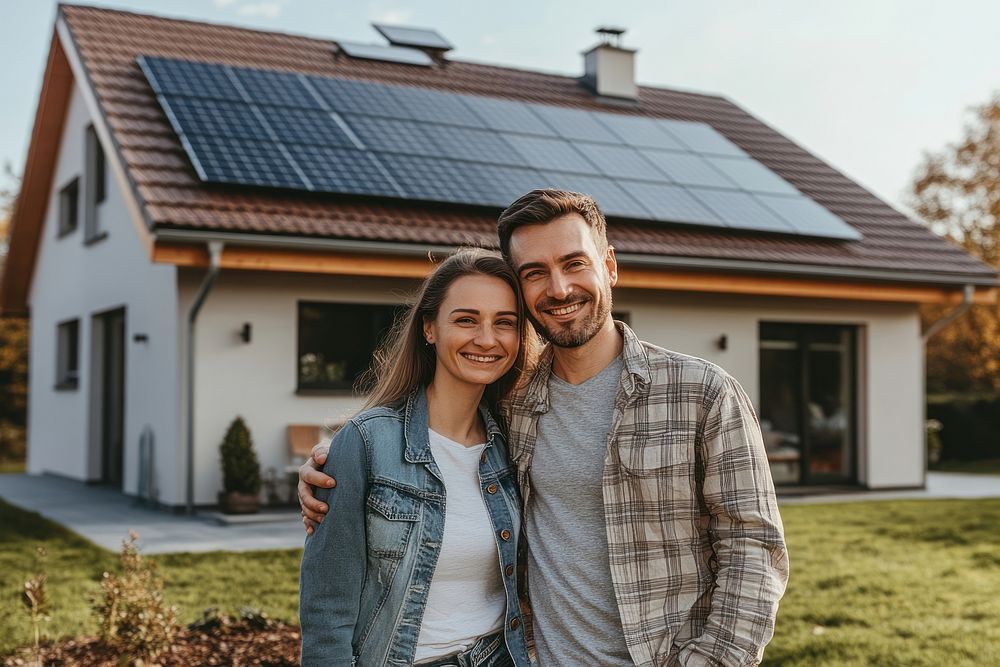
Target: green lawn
(11, 466)
(874, 583)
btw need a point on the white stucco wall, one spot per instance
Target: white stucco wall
(74, 280)
(890, 361)
(257, 380)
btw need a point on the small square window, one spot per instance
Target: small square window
(68, 354)
(69, 207)
(337, 341)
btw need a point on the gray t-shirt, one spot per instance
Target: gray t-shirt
(572, 597)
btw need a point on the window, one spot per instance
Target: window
(67, 354)
(337, 340)
(69, 205)
(95, 182)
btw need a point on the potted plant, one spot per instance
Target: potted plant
(240, 471)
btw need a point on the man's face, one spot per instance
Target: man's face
(565, 278)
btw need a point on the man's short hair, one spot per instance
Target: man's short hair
(544, 205)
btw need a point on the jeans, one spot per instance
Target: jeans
(489, 651)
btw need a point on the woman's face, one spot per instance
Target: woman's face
(475, 333)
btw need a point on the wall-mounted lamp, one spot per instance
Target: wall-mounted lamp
(140, 338)
(722, 342)
(245, 332)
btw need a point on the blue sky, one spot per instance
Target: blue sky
(868, 86)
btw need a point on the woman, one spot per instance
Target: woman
(387, 579)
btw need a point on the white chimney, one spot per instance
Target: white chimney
(609, 68)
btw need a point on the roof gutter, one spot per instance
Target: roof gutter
(215, 262)
(950, 317)
(624, 258)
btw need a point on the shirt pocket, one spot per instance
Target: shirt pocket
(390, 518)
(655, 453)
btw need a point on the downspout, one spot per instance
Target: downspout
(956, 313)
(215, 260)
(967, 293)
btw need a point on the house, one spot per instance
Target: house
(217, 221)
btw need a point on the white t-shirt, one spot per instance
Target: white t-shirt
(466, 599)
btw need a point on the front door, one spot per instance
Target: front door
(112, 393)
(808, 402)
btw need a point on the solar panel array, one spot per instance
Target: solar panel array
(323, 134)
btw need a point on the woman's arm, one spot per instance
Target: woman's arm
(335, 558)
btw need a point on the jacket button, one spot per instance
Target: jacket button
(491, 489)
(509, 570)
(504, 534)
(514, 624)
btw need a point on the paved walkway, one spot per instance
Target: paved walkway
(104, 516)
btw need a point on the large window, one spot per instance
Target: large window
(95, 184)
(69, 205)
(67, 354)
(337, 340)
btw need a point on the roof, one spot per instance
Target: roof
(172, 197)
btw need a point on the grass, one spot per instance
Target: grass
(11, 466)
(266, 580)
(984, 467)
(873, 583)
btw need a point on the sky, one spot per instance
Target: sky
(869, 86)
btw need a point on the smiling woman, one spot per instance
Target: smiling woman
(385, 580)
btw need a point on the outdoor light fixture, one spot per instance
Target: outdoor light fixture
(722, 342)
(245, 332)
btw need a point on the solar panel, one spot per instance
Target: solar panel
(741, 211)
(752, 175)
(670, 202)
(193, 115)
(687, 169)
(243, 161)
(554, 154)
(462, 143)
(809, 218)
(288, 130)
(396, 54)
(639, 131)
(283, 89)
(434, 107)
(574, 124)
(418, 37)
(390, 135)
(438, 179)
(305, 126)
(508, 116)
(358, 97)
(183, 77)
(701, 138)
(612, 199)
(620, 161)
(343, 170)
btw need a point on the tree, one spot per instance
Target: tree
(957, 193)
(13, 348)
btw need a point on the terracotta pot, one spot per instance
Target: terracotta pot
(239, 503)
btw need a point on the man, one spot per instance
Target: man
(651, 526)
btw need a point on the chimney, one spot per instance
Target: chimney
(609, 68)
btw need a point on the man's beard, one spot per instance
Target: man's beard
(576, 333)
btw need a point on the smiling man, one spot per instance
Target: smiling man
(652, 533)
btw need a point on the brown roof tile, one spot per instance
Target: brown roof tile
(173, 197)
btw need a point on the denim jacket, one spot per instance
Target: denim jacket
(367, 568)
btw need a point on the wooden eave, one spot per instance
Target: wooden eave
(36, 184)
(328, 262)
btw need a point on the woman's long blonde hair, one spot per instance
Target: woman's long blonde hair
(404, 361)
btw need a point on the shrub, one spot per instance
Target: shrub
(36, 600)
(132, 616)
(240, 467)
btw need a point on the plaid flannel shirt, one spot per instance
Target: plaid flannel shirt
(695, 540)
